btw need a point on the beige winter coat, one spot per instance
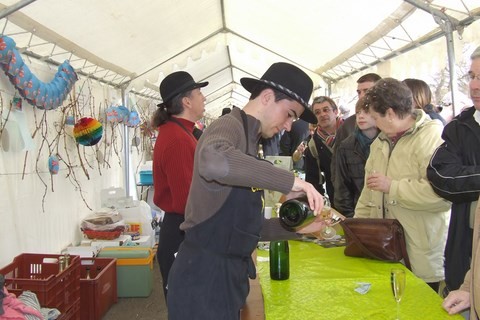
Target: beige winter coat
(411, 199)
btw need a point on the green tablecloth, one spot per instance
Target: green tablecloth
(322, 283)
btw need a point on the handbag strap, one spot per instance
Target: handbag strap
(370, 253)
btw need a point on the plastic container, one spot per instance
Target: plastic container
(134, 270)
(141, 215)
(98, 293)
(40, 273)
(146, 177)
(110, 196)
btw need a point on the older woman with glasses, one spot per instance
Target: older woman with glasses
(396, 185)
(318, 155)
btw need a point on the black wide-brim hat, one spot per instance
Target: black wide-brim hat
(176, 83)
(289, 80)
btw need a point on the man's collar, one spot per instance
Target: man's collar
(476, 116)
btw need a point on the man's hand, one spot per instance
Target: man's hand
(315, 199)
(456, 301)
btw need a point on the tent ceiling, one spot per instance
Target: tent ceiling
(135, 44)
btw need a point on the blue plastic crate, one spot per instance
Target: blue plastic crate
(146, 177)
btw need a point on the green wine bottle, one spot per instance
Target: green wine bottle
(279, 260)
(295, 214)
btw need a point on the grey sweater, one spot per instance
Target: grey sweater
(221, 163)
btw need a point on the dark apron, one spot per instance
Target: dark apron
(209, 277)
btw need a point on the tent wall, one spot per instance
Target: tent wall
(35, 218)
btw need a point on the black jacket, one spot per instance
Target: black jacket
(312, 174)
(454, 173)
(345, 130)
(291, 140)
(349, 175)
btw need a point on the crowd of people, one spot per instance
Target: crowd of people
(396, 157)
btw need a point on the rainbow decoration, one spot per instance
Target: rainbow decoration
(87, 131)
(42, 95)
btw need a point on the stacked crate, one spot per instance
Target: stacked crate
(98, 287)
(56, 285)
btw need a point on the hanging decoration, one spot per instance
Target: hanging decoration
(17, 103)
(117, 114)
(88, 131)
(42, 95)
(133, 119)
(53, 164)
(69, 120)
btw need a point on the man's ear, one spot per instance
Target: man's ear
(266, 96)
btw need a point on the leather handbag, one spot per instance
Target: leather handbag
(380, 239)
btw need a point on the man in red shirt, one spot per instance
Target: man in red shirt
(183, 104)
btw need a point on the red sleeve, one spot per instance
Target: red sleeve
(178, 162)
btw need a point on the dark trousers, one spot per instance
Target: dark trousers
(170, 238)
(434, 285)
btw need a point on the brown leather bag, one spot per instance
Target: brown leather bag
(380, 239)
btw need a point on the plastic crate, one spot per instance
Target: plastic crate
(40, 274)
(73, 313)
(146, 177)
(98, 293)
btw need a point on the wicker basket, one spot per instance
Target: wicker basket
(103, 235)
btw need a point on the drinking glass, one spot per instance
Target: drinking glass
(371, 172)
(397, 280)
(370, 203)
(328, 232)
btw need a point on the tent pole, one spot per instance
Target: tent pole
(126, 151)
(448, 24)
(451, 63)
(14, 7)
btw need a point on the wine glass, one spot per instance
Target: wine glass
(397, 280)
(328, 232)
(370, 203)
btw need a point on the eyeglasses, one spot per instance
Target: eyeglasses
(472, 76)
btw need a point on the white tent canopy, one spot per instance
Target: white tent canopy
(134, 45)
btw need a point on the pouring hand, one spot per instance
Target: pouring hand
(315, 199)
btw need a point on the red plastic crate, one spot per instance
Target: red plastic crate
(98, 293)
(73, 313)
(54, 289)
